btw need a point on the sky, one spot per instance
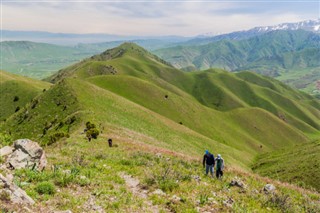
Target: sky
(152, 18)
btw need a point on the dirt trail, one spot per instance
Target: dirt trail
(134, 185)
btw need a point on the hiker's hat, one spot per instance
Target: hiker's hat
(219, 156)
(206, 152)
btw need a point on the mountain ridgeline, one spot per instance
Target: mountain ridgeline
(282, 54)
(132, 94)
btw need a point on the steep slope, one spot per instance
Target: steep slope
(213, 88)
(299, 164)
(16, 92)
(129, 177)
(216, 105)
(288, 55)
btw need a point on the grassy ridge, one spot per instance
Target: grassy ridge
(45, 116)
(214, 88)
(299, 164)
(290, 56)
(16, 92)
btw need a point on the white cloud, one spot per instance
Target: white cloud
(148, 18)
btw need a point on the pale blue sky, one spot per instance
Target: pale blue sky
(187, 18)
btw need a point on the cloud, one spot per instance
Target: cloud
(150, 17)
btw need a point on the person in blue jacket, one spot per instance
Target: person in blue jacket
(208, 162)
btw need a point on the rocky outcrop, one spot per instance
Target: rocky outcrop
(237, 182)
(12, 193)
(7, 150)
(269, 188)
(25, 154)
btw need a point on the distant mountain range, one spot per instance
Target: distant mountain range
(74, 39)
(289, 52)
(39, 60)
(309, 25)
(290, 55)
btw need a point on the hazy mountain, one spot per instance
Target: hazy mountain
(39, 60)
(289, 55)
(74, 39)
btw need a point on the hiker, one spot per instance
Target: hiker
(208, 162)
(110, 142)
(220, 166)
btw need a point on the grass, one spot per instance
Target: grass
(290, 56)
(97, 175)
(299, 165)
(16, 92)
(221, 105)
(148, 106)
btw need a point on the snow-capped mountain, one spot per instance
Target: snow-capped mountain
(309, 25)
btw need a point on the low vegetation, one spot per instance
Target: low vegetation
(85, 174)
(299, 165)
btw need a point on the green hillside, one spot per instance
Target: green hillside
(287, 55)
(101, 178)
(299, 164)
(40, 60)
(161, 120)
(240, 114)
(16, 92)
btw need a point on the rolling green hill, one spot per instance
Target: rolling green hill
(16, 92)
(239, 114)
(161, 119)
(40, 60)
(287, 55)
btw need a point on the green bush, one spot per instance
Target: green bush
(16, 98)
(45, 188)
(17, 109)
(92, 131)
(56, 136)
(5, 139)
(90, 125)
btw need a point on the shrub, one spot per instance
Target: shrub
(17, 109)
(45, 188)
(90, 125)
(92, 131)
(168, 185)
(34, 103)
(5, 139)
(56, 136)
(16, 98)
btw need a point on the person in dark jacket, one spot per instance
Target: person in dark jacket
(220, 166)
(208, 162)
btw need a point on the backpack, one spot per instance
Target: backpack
(219, 163)
(210, 159)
